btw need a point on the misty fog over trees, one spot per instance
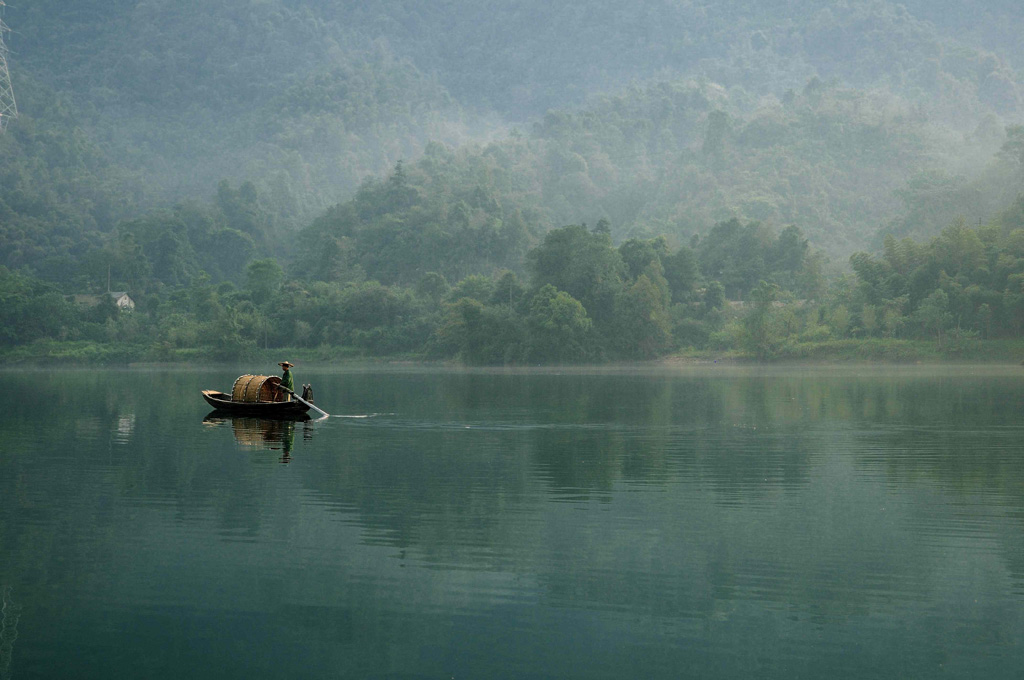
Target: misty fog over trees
(513, 182)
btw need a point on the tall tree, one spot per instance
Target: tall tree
(582, 264)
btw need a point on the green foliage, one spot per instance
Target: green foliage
(681, 273)
(263, 279)
(713, 299)
(643, 325)
(481, 334)
(59, 191)
(559, 327)
(906, 292)
(392, 233)
(507, 291)
(302, 99)
(475, 287)
(212, 159)
(933, 315)
(30, 310)
(189, 93)
(964, 278)
(582, 264)
(739, 255)
(762, 327)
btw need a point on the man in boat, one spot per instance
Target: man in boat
(286, 378)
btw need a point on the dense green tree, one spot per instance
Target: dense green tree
(933, 314)
(790, 250)
(508, 291)
(263, 279)
(482, 334)
(643, 325)
(559, 327)
(391, 233)
(713, 298)
(582, 264)
(475, 287)
(31, 309)
(762, 334)
(682, 273)
(734, 254)
(433, 286)
(637, 255)
(242, 211)
(962, 277)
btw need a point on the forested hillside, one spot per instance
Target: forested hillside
(307, 97)
(189, 93)
(356, 174)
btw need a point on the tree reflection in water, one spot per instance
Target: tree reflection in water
(9, 615)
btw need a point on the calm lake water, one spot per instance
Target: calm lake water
(699, 523)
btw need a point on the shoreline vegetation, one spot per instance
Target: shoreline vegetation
(52, 353)
(742, 294)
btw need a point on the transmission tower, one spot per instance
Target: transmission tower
(8, 107)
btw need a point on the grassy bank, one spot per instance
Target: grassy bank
(876, 350)
(908, 351)
(85, 353)
(871, 350)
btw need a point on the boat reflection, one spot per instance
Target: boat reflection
(273, 434)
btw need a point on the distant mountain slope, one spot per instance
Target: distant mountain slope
(676, 158)
(524, 57)
(59, 191)
(992, 25)
(188, 93)
(798, 111)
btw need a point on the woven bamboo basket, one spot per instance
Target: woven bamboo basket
(254, 388)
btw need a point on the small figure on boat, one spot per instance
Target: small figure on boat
(287, 380)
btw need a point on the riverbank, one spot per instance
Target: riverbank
(86, 353)
(872, 350)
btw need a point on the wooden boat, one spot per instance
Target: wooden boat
(265, 409)
(256, 395)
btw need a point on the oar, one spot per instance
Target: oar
(303, 401)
